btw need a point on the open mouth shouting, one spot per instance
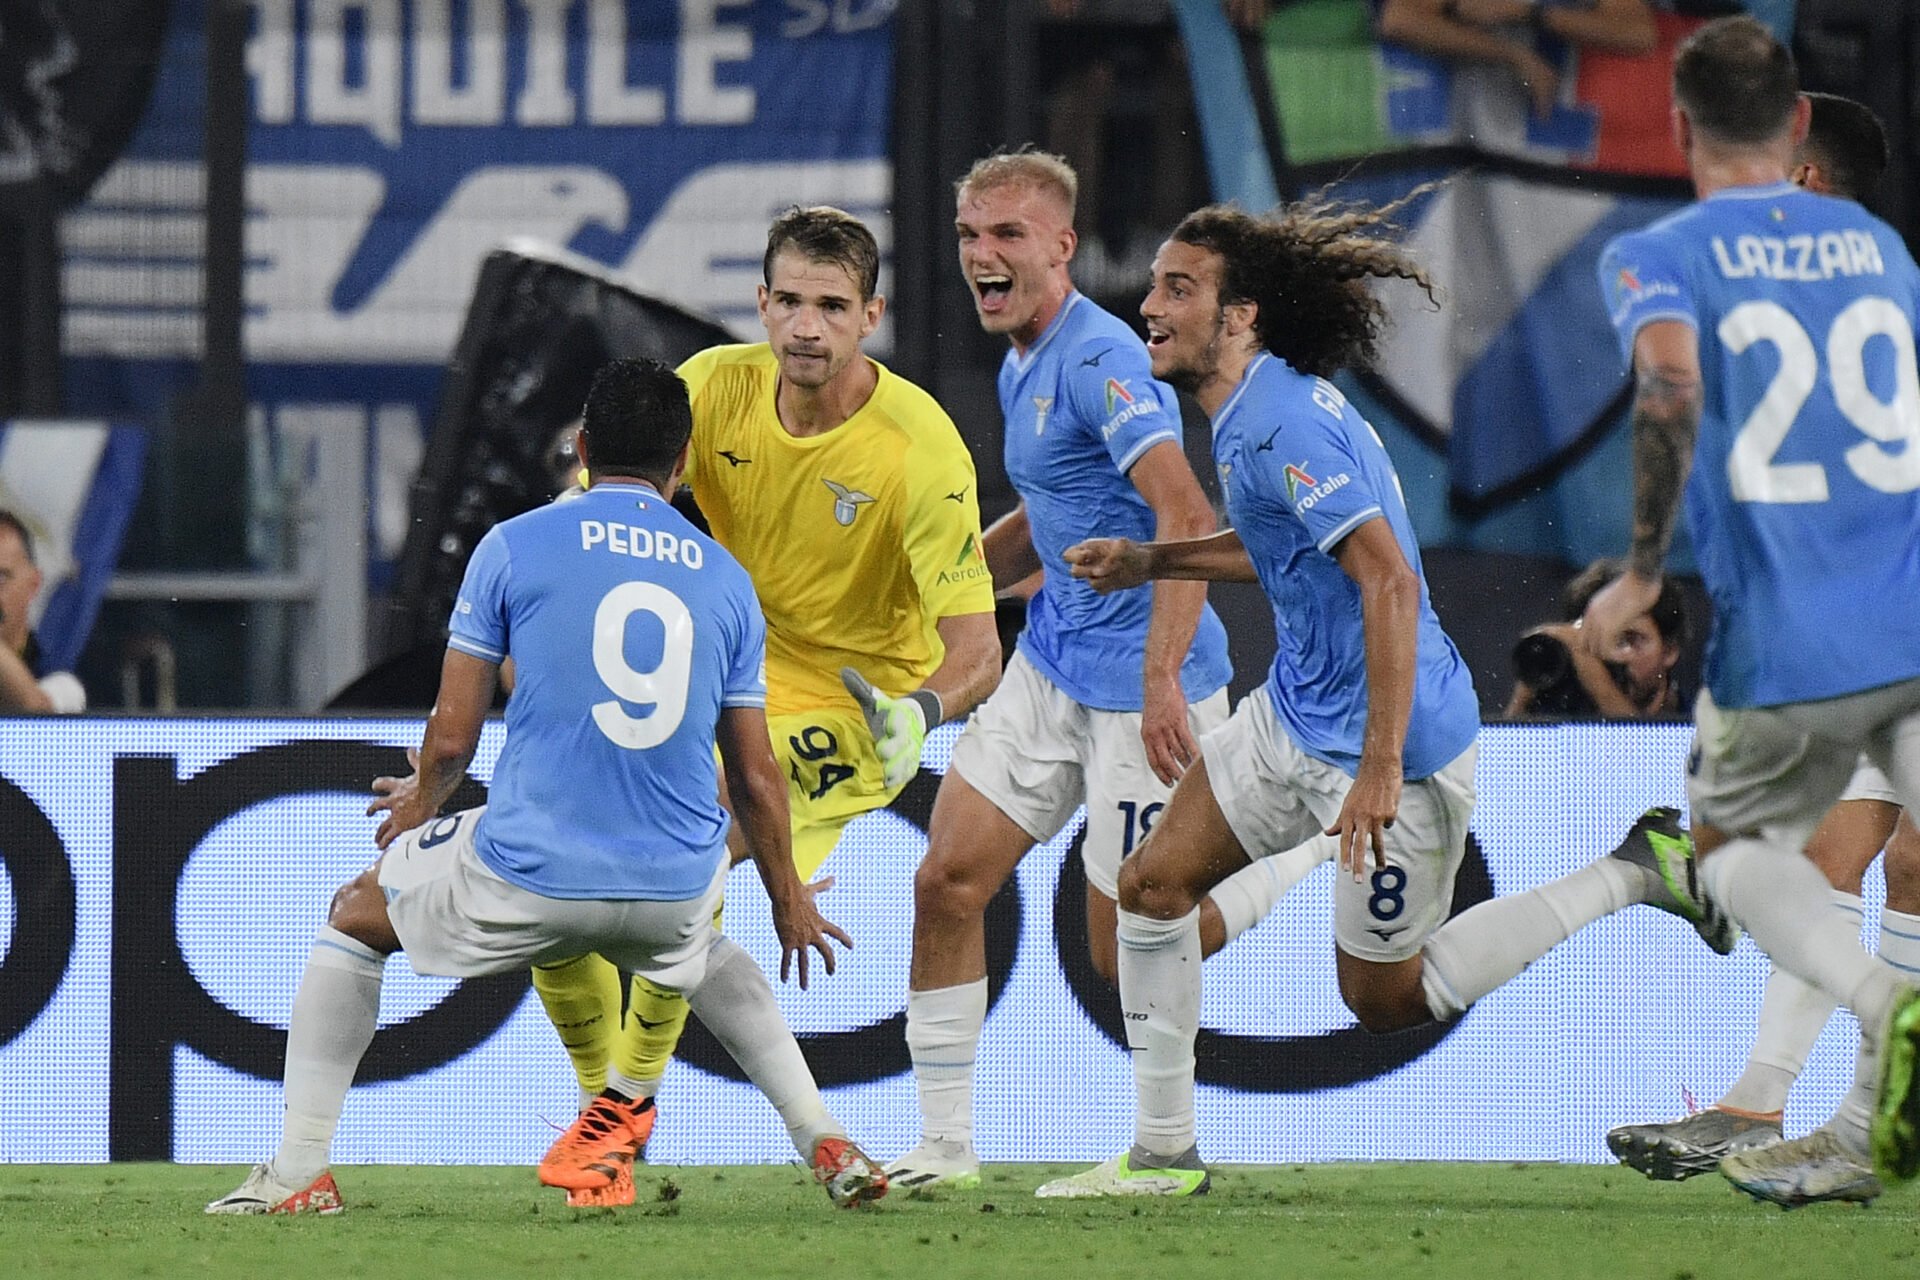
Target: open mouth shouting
(991, 292)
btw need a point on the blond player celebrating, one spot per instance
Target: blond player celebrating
(847, 494)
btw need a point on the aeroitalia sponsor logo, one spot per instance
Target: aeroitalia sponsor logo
(1298, 479)
(1310, 498)
(1123, 407)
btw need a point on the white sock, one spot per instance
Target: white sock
(622, 1083)
(1247, 897)
(735, 1003)
(1160, 1003)
(1482, 949)
(1900, 948)
(1792, 1016)
(334, 1016)
(943, 1036)
(1780, 898)
(1900, 943)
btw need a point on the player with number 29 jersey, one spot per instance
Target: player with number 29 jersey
(630, 630)
(1804, 498)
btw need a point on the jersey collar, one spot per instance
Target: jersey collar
(1233, 401)
(625, 486)
(1023, 363)
(1771, 191)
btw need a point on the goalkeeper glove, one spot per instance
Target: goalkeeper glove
(898, 725)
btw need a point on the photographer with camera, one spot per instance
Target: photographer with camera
(1556, 678)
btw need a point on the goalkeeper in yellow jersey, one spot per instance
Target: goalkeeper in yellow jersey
(847, 493)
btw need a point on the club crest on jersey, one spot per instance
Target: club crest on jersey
(1298, 479)
(1117, 394)
(1042, 406)
(846, 502)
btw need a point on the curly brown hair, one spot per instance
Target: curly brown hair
(1306, 267)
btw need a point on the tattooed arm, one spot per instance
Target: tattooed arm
(1666, 420)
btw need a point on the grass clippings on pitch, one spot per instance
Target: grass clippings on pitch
(1329, 1222)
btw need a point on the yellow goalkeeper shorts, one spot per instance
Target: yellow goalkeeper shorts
(833, 776)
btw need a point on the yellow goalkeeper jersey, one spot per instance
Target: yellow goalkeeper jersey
(858, 540)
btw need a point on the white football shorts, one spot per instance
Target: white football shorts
(457, 919)
(1779, 769)
(1869, 782)
(1038, 755)
(1275, 796)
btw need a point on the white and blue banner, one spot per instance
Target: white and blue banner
(160, 882)
(1504, 402)
(393, 143)
(74, 486)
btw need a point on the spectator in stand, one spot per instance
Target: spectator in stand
(1101, 56)
(1507, 33)
(25, 682)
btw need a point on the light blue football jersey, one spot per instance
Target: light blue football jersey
(629, 630)
(1804, 498)
(1302, 470)
(1081, 407)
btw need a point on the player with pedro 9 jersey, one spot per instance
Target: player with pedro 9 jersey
(639, 647)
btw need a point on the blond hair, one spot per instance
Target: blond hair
(1027, 167)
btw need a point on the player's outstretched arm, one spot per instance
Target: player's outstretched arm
(1390, 627)
(453, 732)
(1117, 564)
(759, 795)
(1666, 420)
(1007, 547)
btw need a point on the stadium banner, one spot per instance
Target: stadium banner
(394, 143)
(74, 485)
(1514, 376)
(162, 880)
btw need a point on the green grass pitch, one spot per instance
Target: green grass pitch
(1327, 1222)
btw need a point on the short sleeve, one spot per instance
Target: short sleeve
(1311, 464)
(1111, 388)
(696, 371)
(479, 623)
(943, 526)
(746, 680)
(1643, 279)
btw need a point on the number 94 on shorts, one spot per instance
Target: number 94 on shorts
(833, 772)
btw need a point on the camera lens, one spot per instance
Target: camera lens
(1541, 660)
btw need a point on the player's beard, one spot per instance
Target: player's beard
(812, 375)
(1193, 375)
